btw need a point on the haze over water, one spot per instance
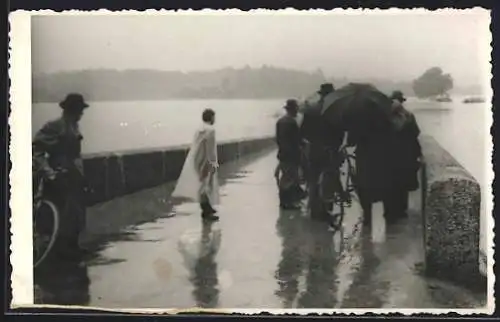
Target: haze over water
(125, 126)
(121, 126)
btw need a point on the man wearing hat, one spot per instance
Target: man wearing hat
(57, 157)
(289, 157)
(324, 143)
(325, 89)
(405, 158)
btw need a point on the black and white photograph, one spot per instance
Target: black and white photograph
(283, 161)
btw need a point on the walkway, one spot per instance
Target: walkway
(256, 256)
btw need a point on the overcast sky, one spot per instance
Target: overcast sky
(399, 46)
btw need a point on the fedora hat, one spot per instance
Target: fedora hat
(291, 104)
(73, 101)
(398, 95)
(326, 88)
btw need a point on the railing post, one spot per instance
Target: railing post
(451, 211)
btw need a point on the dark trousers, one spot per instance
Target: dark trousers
(324, 160)
(287, 177)
(366, 202)
(67, 194)
(316, 205)
(206, 207)
(396, 203)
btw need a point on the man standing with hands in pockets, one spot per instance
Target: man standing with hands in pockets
(198, 180)
(289, 158)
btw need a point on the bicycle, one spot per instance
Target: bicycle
(45, 224)
(336, 185)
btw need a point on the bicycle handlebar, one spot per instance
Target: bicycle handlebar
(44, 178)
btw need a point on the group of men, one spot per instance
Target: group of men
(386, 166)
(387, 163)
(306, 148)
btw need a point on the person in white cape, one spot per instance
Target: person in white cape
(198, 180)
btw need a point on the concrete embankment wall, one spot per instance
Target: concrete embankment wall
(451, 217)
(116, 174)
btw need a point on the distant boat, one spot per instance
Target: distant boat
(472, 100)
(445, 98)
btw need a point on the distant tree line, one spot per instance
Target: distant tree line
(266, 82)
(262, 83)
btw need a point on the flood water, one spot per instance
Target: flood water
(463, 129)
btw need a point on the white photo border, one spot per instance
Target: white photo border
(20, 156)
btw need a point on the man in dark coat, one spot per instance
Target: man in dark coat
(372, 170)
(386, 163)
(405, 155)
(57, 157)
(289, 157)
(324, 142)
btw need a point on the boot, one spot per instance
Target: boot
(367, 216)
(286, 202)
(207, 212)
(391, 210)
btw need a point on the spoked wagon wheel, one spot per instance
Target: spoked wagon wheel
(45, 230)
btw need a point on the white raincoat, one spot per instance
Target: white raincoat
(197, 175)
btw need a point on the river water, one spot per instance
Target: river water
(117, 126)
(463, 129)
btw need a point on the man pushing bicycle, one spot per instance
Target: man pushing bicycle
(323, 155)
(57, 158)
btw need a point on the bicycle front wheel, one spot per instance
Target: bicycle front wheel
(350, 175)
(45, 230)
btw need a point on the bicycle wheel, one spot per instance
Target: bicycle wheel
(337, 213)
(45, 230)
(332, 199)
(350, 178)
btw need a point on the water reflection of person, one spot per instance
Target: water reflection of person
(366, 290)
(321, 275)
(62, 283)
(204, 275)
(290, 227)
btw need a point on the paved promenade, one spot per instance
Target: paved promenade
(151, 252)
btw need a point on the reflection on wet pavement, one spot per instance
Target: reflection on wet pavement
(256, 256)
(389, 274)
(202, 266)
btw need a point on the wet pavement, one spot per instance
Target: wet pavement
(153, 252)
